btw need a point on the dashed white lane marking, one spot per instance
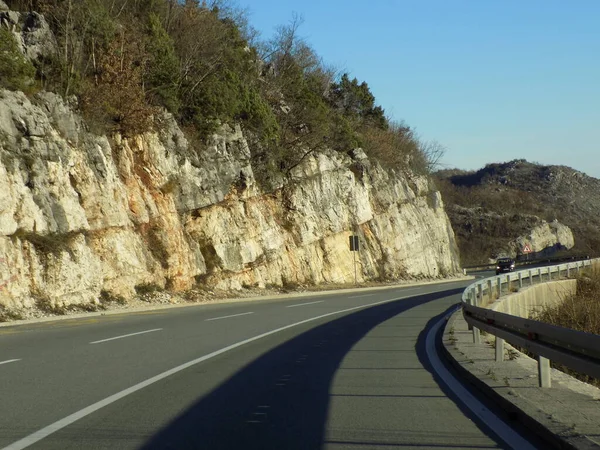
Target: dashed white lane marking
(227, 317)
(506, 433)
(304, 304)
(125, 335)
(360, 296)
(9, 361)
(72, 418)
(402, 291)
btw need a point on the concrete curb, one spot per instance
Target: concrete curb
(133, 310)
(538, 421)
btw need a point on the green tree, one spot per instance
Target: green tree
(356, 101)
(162, 71)
(16, 72)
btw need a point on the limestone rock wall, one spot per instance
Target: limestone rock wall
(82, 213)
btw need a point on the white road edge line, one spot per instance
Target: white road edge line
(304, 304)
(125, 335)
(9, 361)
(227, 317)
(506, 433)
(364, 295)
(66, 421)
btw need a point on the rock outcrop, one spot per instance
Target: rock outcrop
(82, 214)
(32, 32)
(544, 239)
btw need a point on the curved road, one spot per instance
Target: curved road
(336, 371)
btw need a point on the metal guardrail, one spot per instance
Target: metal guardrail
(529, 262)
(575, 349)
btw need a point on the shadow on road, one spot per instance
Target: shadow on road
(281, 399)
(508, 418)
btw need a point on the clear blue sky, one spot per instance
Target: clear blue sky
(492, 80)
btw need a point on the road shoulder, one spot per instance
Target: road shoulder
(566, 415)
(177, 301)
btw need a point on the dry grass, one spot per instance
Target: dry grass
(7, 315)
(56, 309)
(579, 312)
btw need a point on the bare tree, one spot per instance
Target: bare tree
(433, 152)
(283, 43)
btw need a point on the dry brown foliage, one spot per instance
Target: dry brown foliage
(117, 93)
(396, 147)
(579, 312)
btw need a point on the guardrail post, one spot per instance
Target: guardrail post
(520, 280)
(478, 302)
(540, 274)
(499, 349)
(530, 278)
(568, 271)
(489, 287)
(499, 288)
(471, 301)
(476, 336)
(544, 372)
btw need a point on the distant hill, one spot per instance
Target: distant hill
(502, 201)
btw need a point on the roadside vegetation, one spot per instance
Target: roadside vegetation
(579, 312)
(7, 315)
(204, 63)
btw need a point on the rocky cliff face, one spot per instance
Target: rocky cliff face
(81, 214)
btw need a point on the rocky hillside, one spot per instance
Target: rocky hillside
(504, 207)
(87, 215)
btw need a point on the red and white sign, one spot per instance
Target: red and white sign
(526, 249)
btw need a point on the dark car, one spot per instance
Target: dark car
(505, 265)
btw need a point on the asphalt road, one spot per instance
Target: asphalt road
(336, 371)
